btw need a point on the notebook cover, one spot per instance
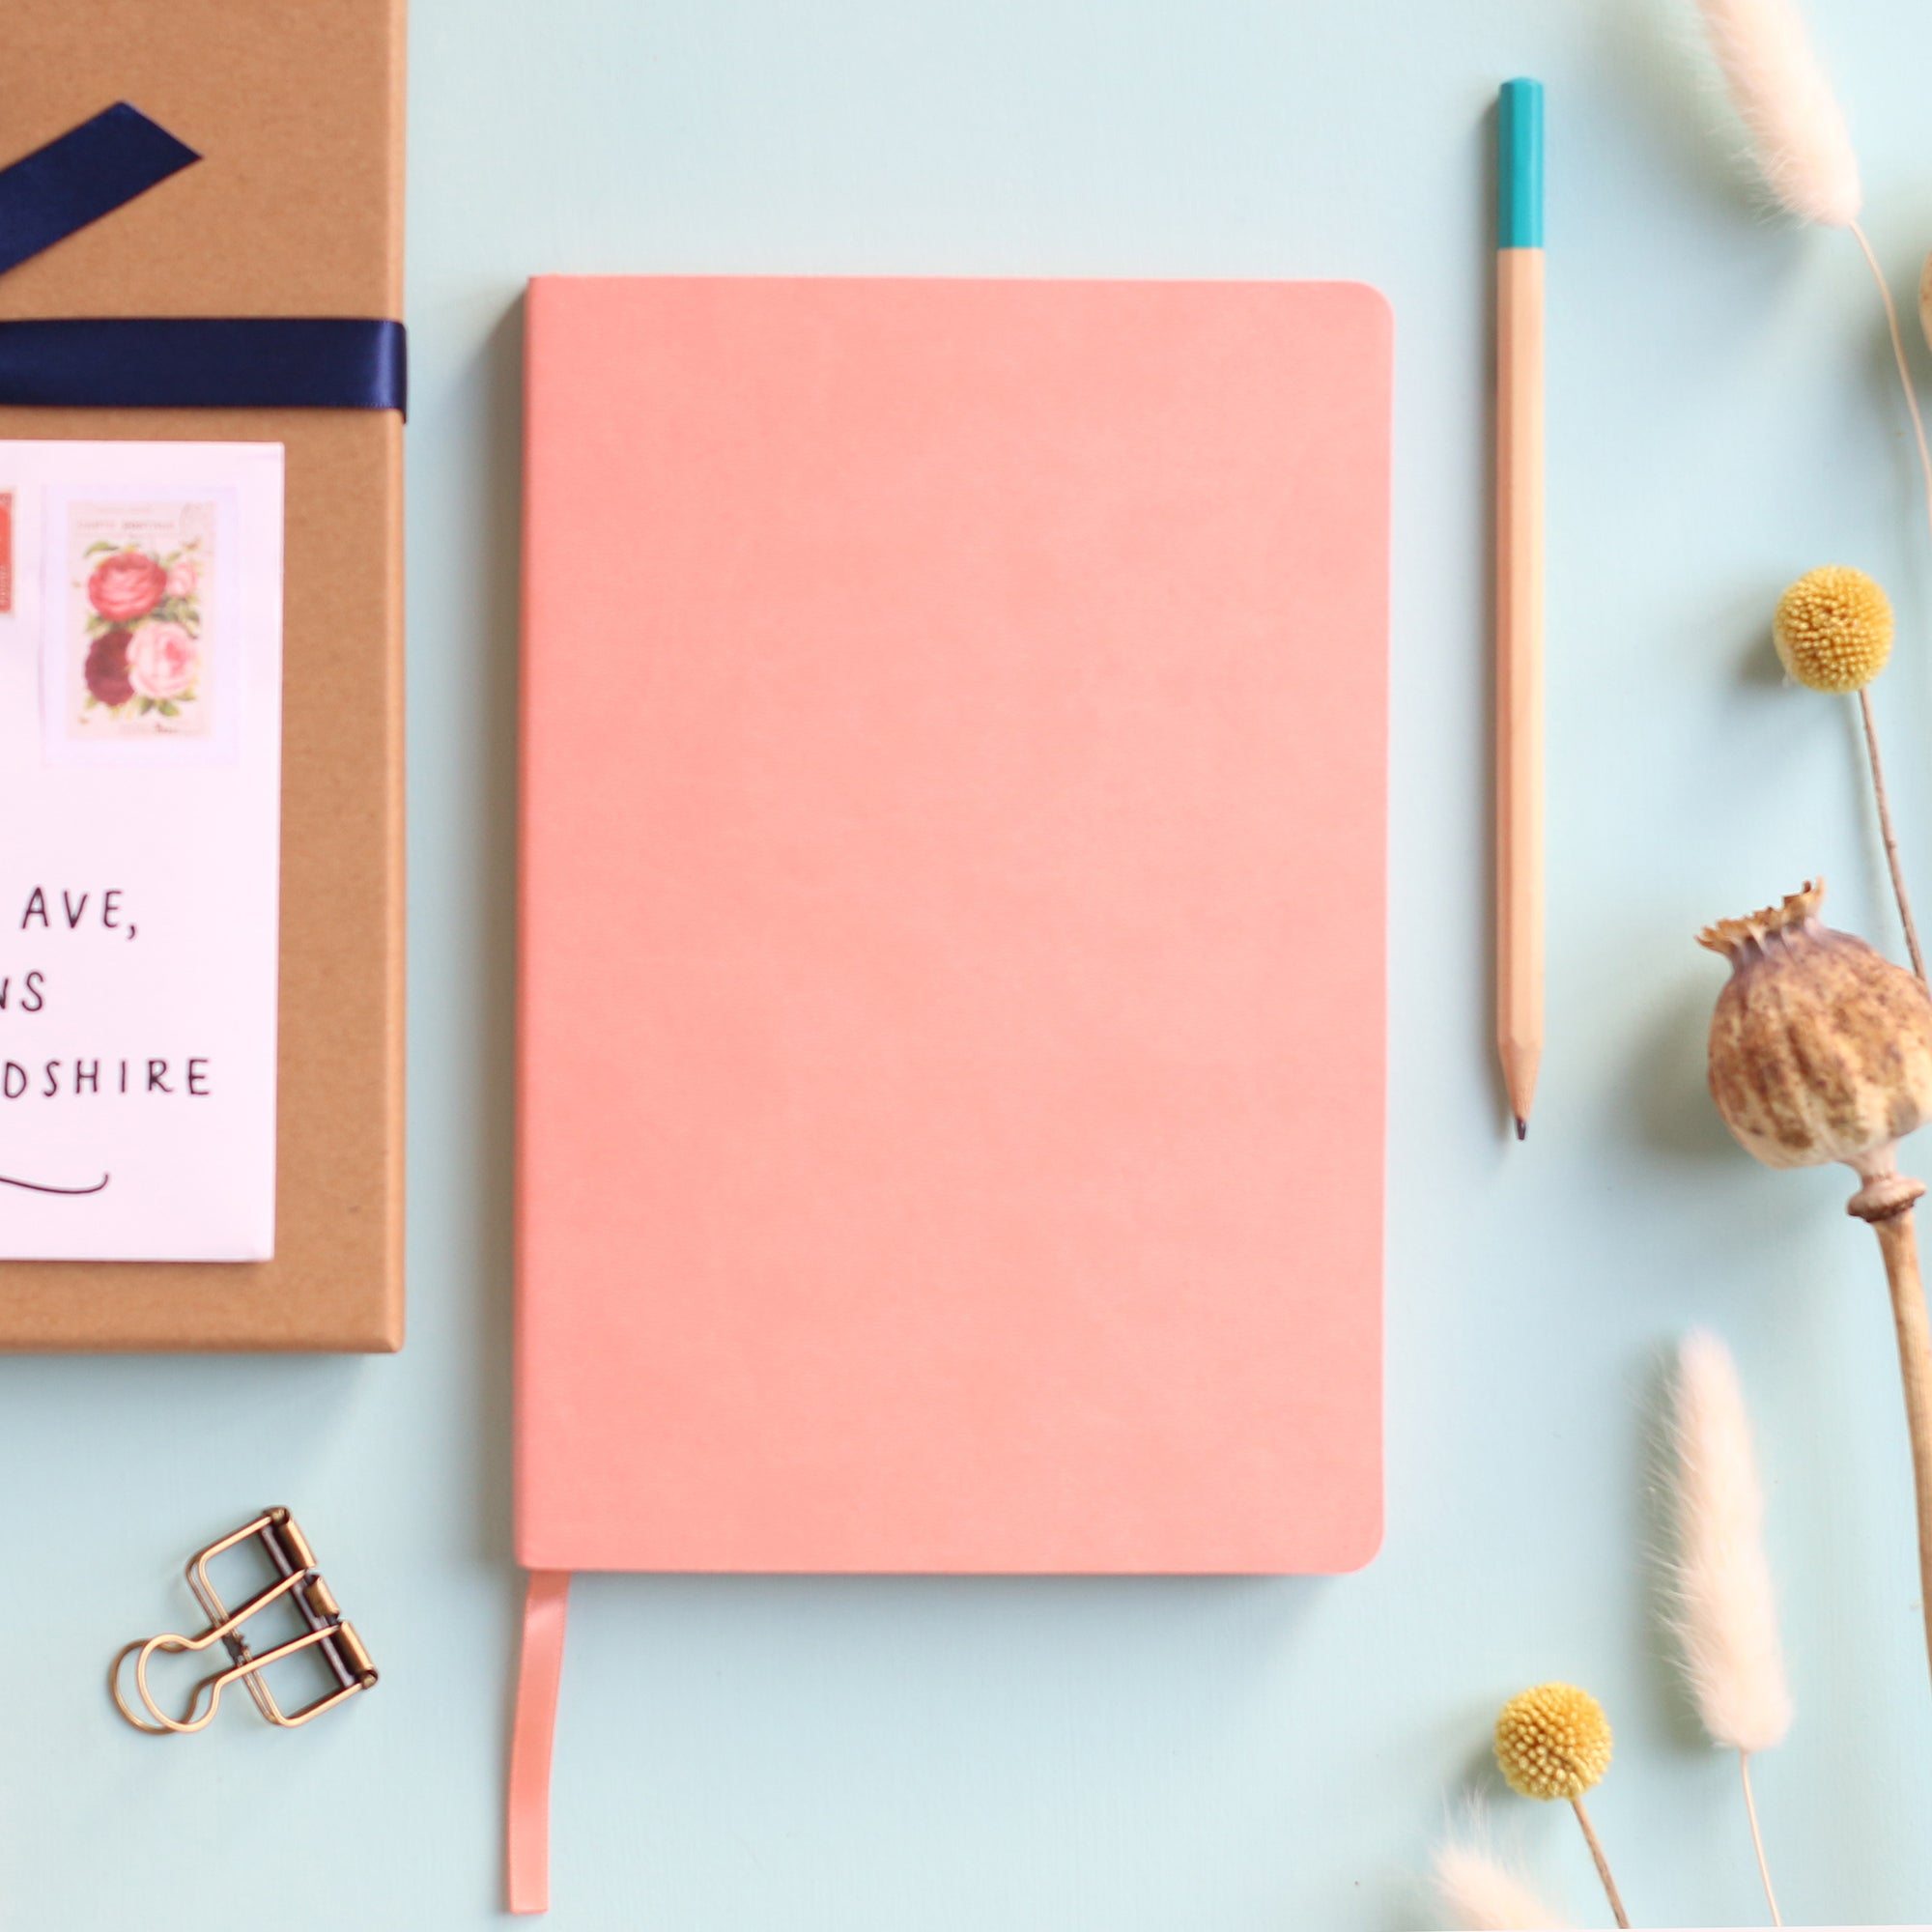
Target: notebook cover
(953, 929)
(294, 209)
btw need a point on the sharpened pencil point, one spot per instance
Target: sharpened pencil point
(1521, 1129)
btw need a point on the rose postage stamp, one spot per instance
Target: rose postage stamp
(141, 621)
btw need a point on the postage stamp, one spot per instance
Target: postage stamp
(141, 625)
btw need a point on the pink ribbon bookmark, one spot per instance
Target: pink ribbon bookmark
(546, 1617)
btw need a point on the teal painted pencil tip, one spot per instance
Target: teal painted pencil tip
(1519, 164)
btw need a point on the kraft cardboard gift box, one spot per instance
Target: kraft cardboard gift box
(294, 209)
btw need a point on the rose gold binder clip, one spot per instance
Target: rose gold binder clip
(300, 1584)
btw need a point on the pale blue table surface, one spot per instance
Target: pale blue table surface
(1131, 1756)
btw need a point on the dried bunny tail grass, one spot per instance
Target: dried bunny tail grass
(1784, 99)
(1803, 148)
(1478, 1893)
(1725, 1604)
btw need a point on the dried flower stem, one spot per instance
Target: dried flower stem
(1904, 367)
(1865, 697)
(1757, 1837)
(1885, 1200)
(1886, 832)
(1603, 1863)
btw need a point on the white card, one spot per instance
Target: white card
(140, 786)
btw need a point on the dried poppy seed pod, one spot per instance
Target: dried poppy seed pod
(1820, 1049)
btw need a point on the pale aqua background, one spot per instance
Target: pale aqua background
(931, 1756)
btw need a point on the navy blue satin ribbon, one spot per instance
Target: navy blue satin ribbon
(261, 362)
(80, 175)
(317, 362)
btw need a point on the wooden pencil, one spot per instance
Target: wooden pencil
(1519, 592)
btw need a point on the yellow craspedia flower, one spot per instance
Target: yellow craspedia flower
(1553, 1741)
(1832, 629)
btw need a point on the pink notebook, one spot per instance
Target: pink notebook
(953, 932)
(952, 1073)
